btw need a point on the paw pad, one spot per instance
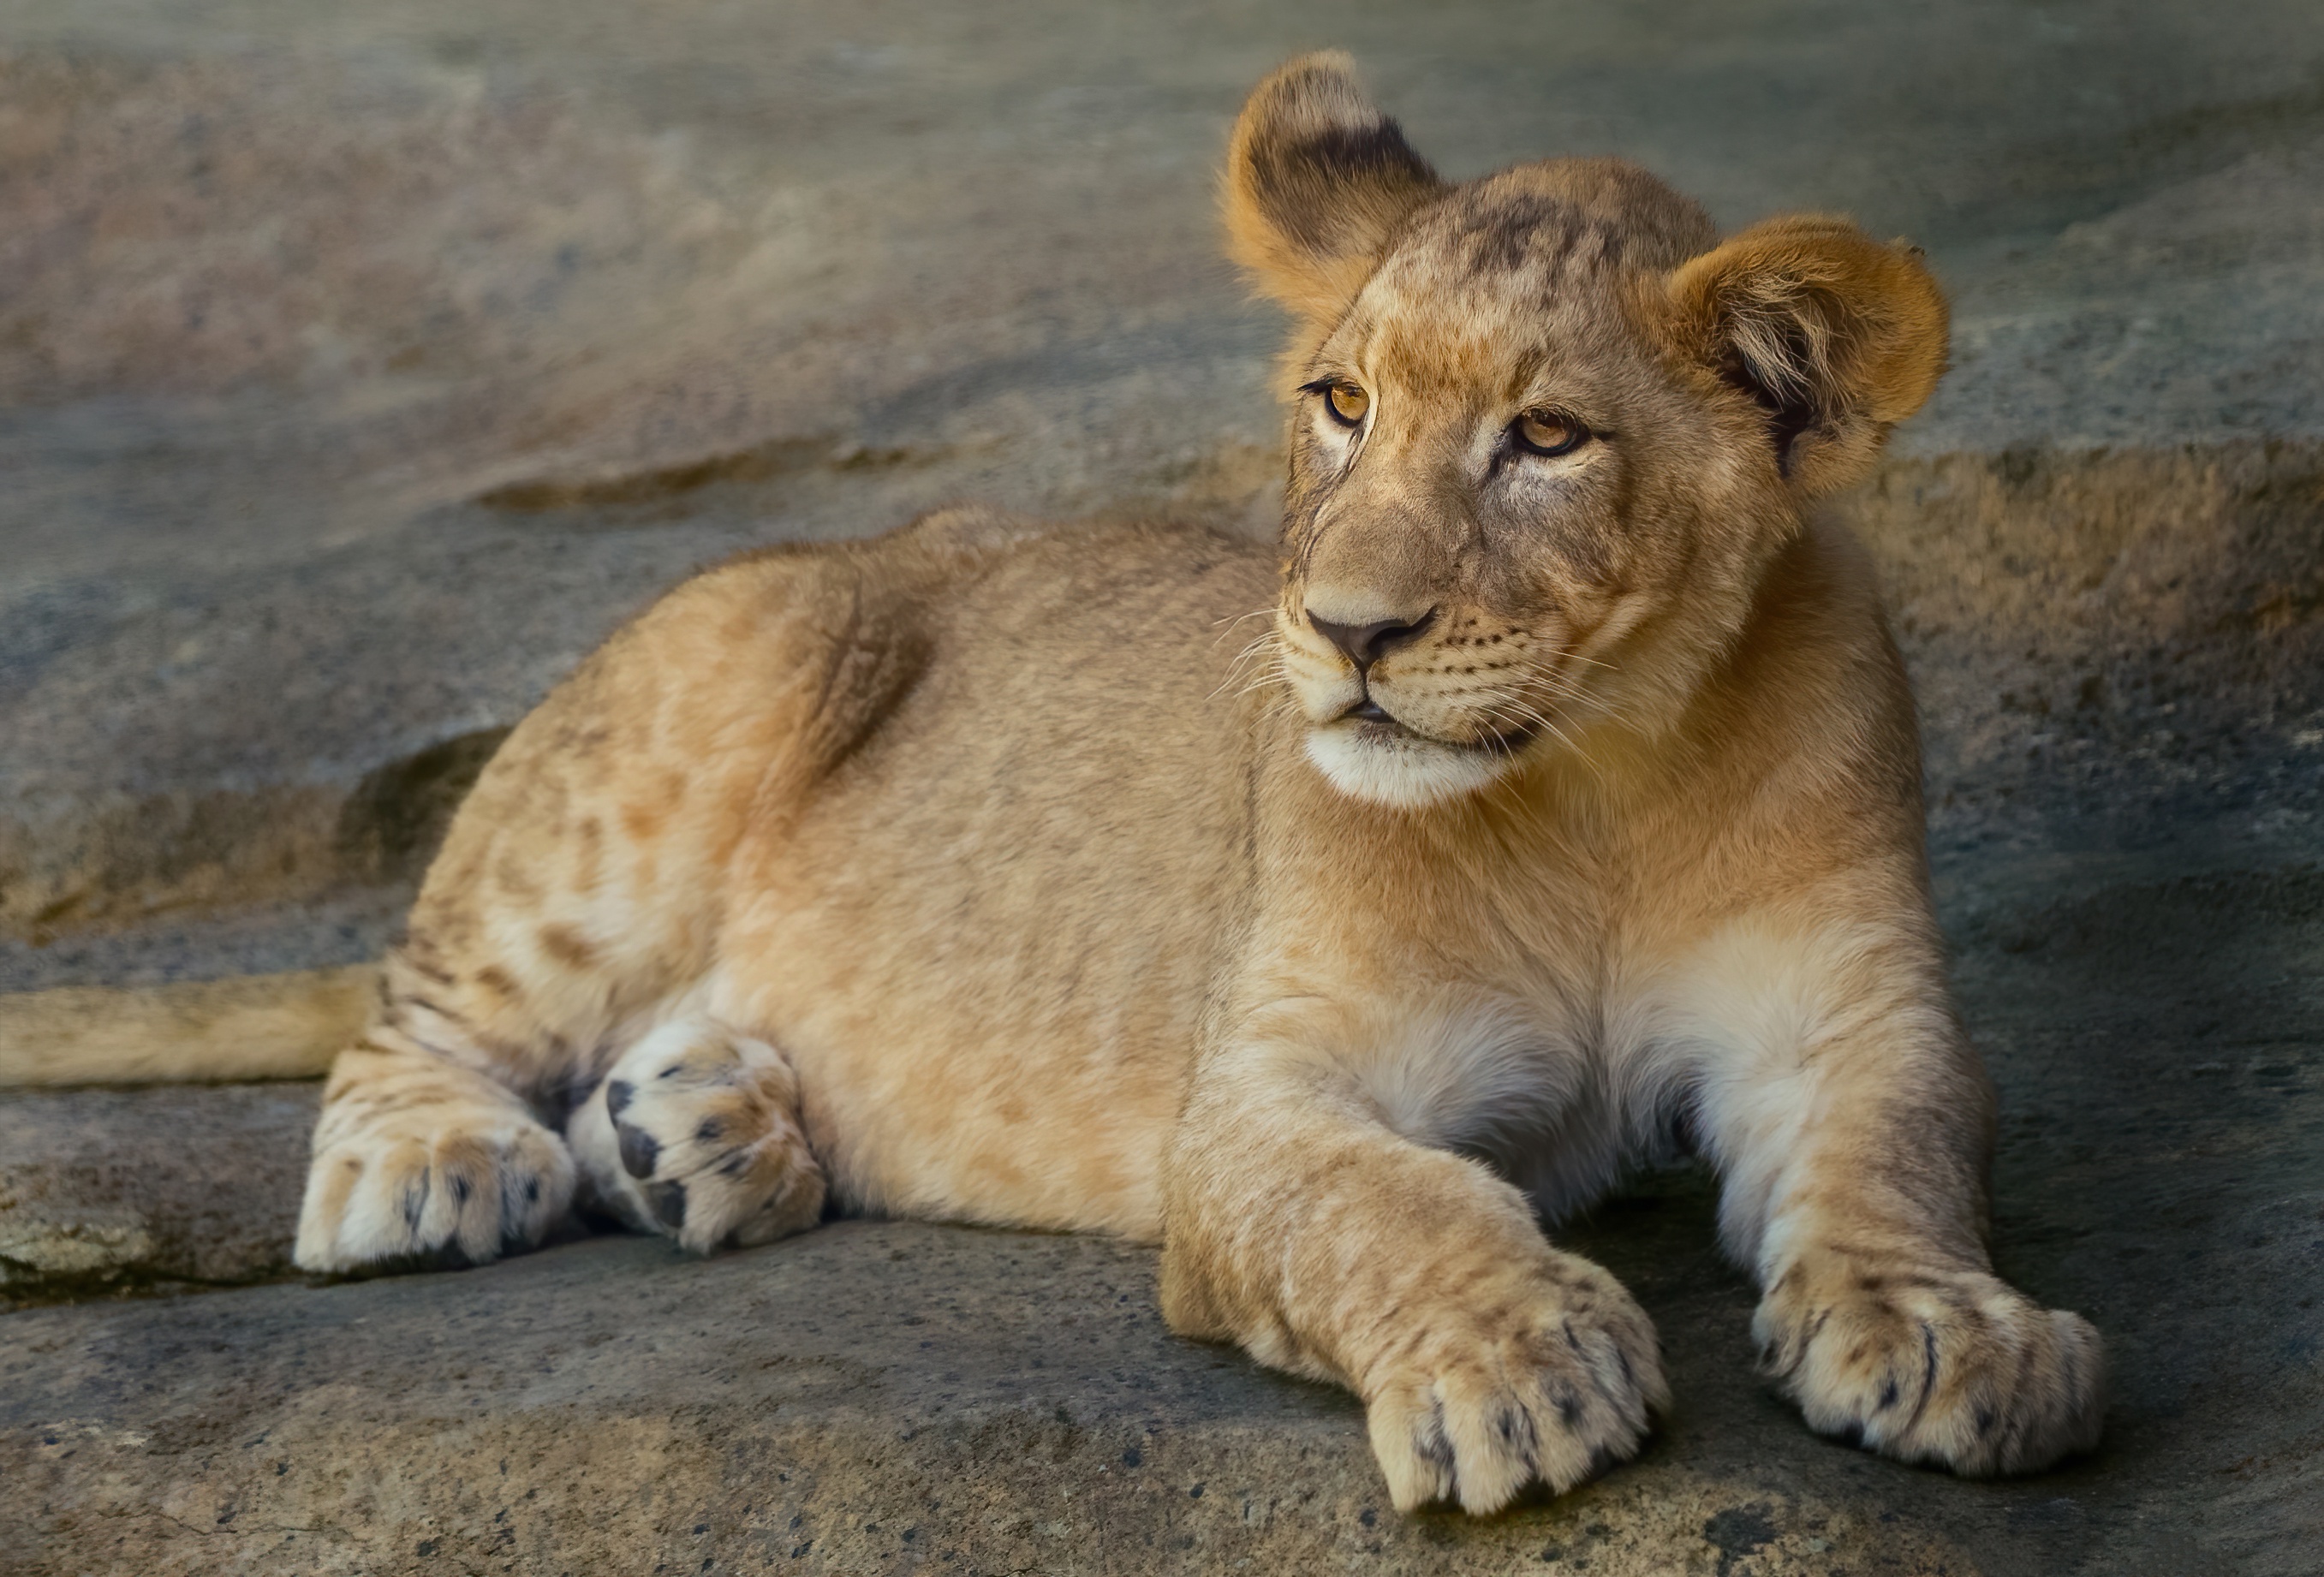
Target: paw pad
(697, 1137)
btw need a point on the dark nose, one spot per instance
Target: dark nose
(1366, 644)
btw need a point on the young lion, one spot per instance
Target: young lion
(1568, 809)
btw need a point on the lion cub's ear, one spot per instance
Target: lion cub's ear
(1836, 335)
(1317, 181)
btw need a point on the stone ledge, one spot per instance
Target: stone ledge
(107, 1191)
(869, 1397)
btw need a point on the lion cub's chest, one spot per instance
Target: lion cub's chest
(1556, 1088)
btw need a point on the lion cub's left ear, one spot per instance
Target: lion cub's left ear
(1837, 337)
(1317, 182)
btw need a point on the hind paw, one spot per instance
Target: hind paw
(694, 1134)
(418, 1160)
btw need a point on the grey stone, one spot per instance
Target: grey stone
(871, 1398)
(106, 1191)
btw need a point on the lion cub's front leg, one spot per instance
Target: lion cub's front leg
(694, 1134)
(1854, 1145)
(1931, 1363)
(1299, 1224)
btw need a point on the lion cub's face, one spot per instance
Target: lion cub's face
(1480, 510)
(1548, 433)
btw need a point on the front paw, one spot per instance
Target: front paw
(695, 1135)
(1955, 1367)
(1548, 1373)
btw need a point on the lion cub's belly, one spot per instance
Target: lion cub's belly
(959, 1063)
(989, 941)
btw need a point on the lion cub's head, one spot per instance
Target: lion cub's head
(1550, 432)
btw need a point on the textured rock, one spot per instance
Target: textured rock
(2130, 638)
(870, 1398)
(108, 1191)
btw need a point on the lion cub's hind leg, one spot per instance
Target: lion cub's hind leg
(696, 1134)
(418, 1158)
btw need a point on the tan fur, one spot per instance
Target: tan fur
(262, 1027)
(1062, 876)
(1317, 181)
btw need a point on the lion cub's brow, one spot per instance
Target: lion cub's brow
(1547, 242)
(1556, 226)
(1494, 286)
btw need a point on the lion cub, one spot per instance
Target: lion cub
(1568, 805)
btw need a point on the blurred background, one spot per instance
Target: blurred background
(363, 363)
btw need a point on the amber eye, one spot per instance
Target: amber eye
(1347, 402)
(1549, 432)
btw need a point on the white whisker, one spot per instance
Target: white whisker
(1223, 625)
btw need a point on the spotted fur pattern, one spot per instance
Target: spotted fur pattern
(1337, 917)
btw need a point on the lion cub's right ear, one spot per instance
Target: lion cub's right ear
(1317, 181)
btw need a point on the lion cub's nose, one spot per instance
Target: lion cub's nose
(1366, 644)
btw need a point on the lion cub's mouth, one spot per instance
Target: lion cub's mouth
(1371, 722)
(1368, 754)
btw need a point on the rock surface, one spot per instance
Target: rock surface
(362, 365)
(104, 1191)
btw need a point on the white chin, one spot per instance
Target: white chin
(1399, 769)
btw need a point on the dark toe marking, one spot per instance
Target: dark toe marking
(513, 1235)
(1929, 1373)
(708, 1130)
(640, 1150)
(669, 1204)
(618, 1097)
(1888, 1395)
(461, 1189)
(1514, 1427)
(415, 1203)
(1430, 1442)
